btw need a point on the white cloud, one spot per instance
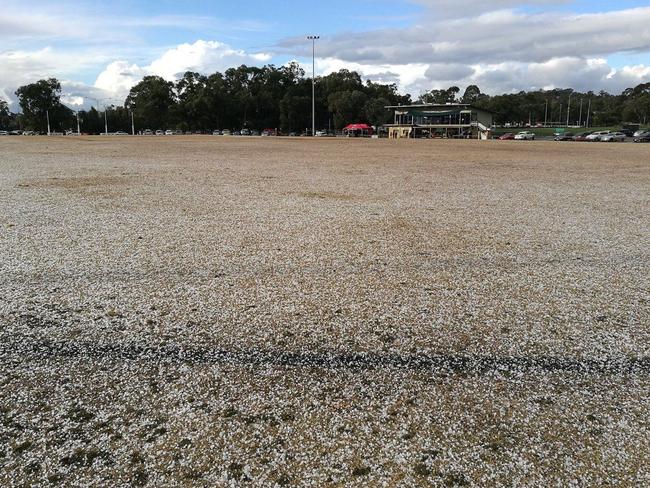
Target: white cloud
(119, 76)
(201, 56)
(498, 37)
(21, 67)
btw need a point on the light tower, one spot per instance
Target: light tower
(313, 83)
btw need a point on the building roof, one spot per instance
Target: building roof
(446, 106)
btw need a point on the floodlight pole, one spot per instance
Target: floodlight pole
(105, 122)
(132, 124)
(546, 112)
(580, 118)
(313, 83)
(568, 110)
(47, 114)
(78, 128)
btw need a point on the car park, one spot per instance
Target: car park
(643, 137)
(509, 136)
(566, 136)
(613, 137)
(525, 136)
(596, 136)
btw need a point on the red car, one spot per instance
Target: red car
(507, 137)
(581, 137)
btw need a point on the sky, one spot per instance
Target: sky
(99, 49)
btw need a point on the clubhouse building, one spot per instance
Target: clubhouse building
(453, 120)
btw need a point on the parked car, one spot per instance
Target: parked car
(216, 132)
(596, 136)
(4, 133)
(566, 136)
(147, 132)
(627, 132)
(226, 132)
(509, 136)
(613, 137)
(582, 136)
(245, 132)
(525, 136)
(640, 132)
(121, 133)
(321, 133)
(643, 137)
(160, 132)
(169, 132)
(255, 132)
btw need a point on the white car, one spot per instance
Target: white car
(169, 132)
(525, 136)
(613, 137)
(596, 136)
(160, 133)
(4, 133)
(321, 133)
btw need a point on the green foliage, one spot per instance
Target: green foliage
(440, 96)
(153, 100)
(7, 119)
(40, 99)
(272, 97)
(347, 106)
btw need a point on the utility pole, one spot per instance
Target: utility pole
(568, 110)
(105, 122)
(78, 128)
(313, 83)
(132, 124)
(47, 114)
(588, 114)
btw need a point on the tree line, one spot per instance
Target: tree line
(281, 97)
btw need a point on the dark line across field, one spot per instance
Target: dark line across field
(437, 364)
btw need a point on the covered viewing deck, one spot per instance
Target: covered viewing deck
(439, 120)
